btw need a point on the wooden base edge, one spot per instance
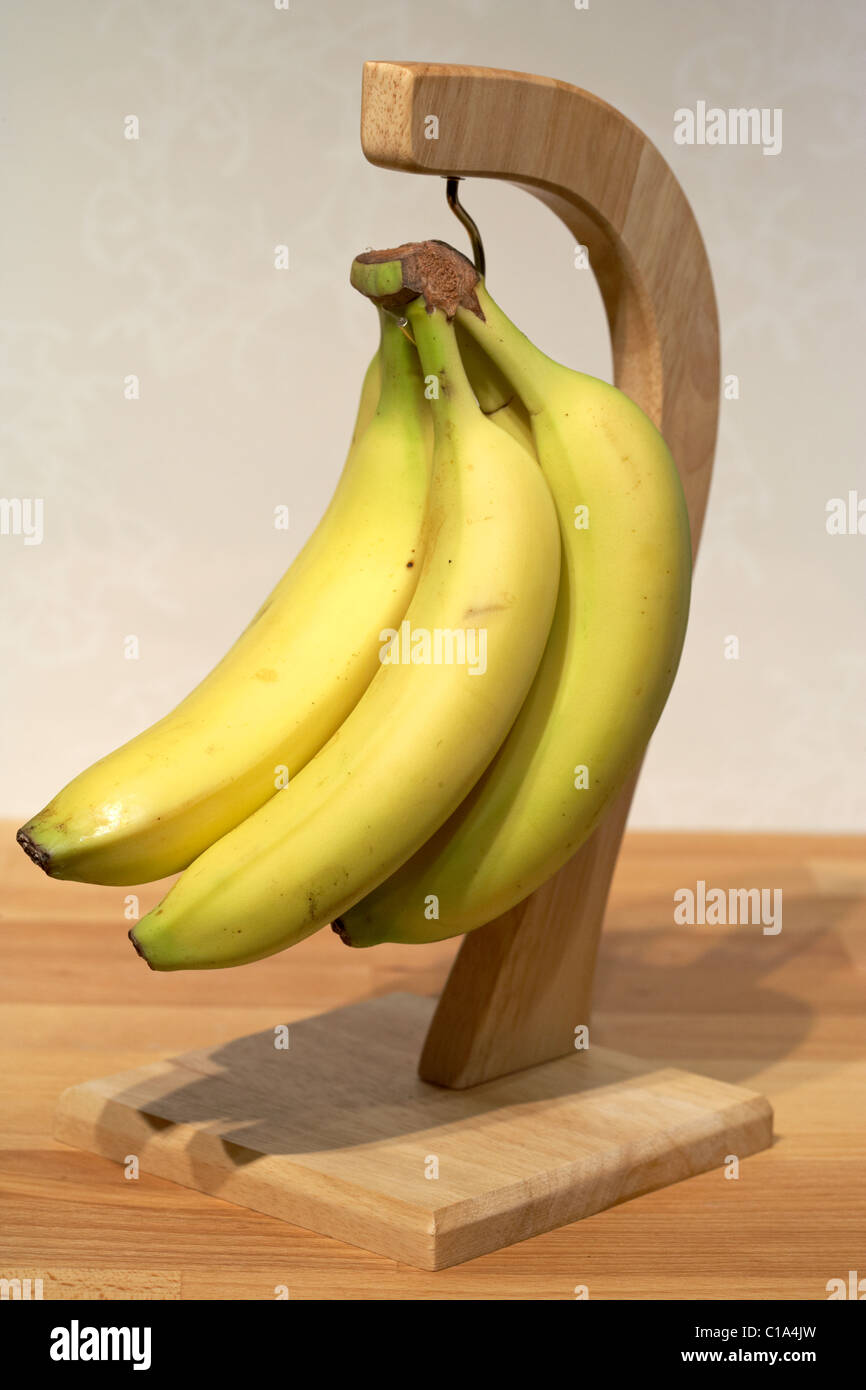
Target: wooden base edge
(337, 1134)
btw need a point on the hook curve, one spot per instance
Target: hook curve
(466, 221)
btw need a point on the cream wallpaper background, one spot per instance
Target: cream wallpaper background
(155, 257)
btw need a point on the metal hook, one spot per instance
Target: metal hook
(466, 221)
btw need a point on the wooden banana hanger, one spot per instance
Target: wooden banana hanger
(337, 1133)
(521, 985)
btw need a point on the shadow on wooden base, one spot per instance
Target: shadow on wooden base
(337, 1133)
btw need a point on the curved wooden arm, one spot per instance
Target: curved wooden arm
(520, 985)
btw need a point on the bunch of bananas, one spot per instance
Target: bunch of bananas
(446, 691)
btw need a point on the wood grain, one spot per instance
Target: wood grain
(779, 1015)
(521, 983)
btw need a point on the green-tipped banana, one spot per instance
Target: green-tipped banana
(453, 678)
(610, 661)
(149, 808)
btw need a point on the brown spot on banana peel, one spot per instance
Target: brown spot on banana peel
(488, 608)
(439, 273)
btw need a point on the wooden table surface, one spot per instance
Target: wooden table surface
(780, 1014)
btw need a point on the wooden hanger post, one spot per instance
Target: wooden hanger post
(521, 984)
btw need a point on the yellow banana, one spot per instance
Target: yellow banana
(149, 808)
(423, 731)
(604, 678)
(494, 393)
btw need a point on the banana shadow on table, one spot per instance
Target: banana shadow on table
(347, 1078)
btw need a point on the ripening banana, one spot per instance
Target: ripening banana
(149, 808)
(452, 681)
(604, 678)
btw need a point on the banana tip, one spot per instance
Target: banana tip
(339, 926)
(33, 851)
(139, 951)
